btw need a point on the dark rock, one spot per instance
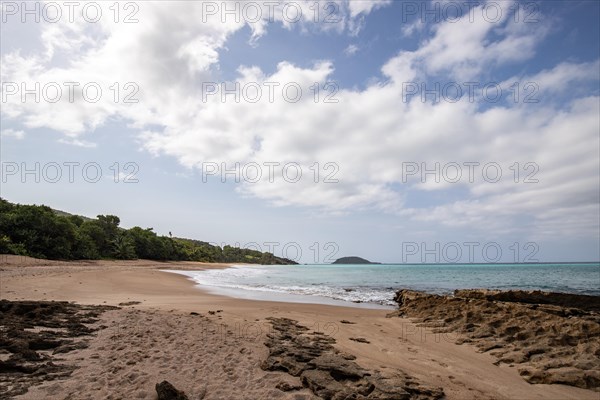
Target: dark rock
(330, 373)
(26, 366)
(322, 384)
(287, 387)
(129, 303)
(347, 356)
(66, 348)
(534, 297)
(338, 367)
(166, 391)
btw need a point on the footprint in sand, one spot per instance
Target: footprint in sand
(442, 364)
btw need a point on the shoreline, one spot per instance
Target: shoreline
(168, 299)
(294, 284)
(271, 296)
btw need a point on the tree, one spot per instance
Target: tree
(104, 233)
(8, 247)
(84, 246)
(39, 231)
(123, 247)
(94, 237)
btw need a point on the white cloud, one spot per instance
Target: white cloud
(368, 133)
(77, 142)
(365, 6)
(566, 76)
(167, 55)
(351, 50)
(463, 49)
(416, 26)
(11, 133)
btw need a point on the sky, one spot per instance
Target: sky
(399, 131)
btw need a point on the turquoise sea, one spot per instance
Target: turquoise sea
(375, 285)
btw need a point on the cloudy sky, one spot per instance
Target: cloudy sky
(395, 130)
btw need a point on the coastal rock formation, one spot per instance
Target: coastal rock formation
(551, 337)
(32, 333)
(564, 300)
(332, 374)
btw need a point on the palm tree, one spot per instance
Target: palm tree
(123, 248)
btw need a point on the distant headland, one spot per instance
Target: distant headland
(353, 260)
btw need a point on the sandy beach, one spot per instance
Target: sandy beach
(212, 346)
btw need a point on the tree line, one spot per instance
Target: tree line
(41, 232)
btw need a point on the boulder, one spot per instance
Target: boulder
(166, 391)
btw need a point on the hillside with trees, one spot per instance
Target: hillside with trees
(41, 232)
(352, 260)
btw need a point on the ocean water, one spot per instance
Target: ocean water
(375, 285)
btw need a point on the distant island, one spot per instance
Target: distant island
(353, 260)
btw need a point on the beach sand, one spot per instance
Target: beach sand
(217, 354)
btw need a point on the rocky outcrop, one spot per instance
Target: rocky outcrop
(549, 337)
(32, 332)
(332, 374)
(565, 300)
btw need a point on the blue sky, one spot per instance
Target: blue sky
(373, 55)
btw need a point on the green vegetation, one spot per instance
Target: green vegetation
(41, 232)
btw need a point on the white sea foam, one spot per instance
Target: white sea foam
(231, 281)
